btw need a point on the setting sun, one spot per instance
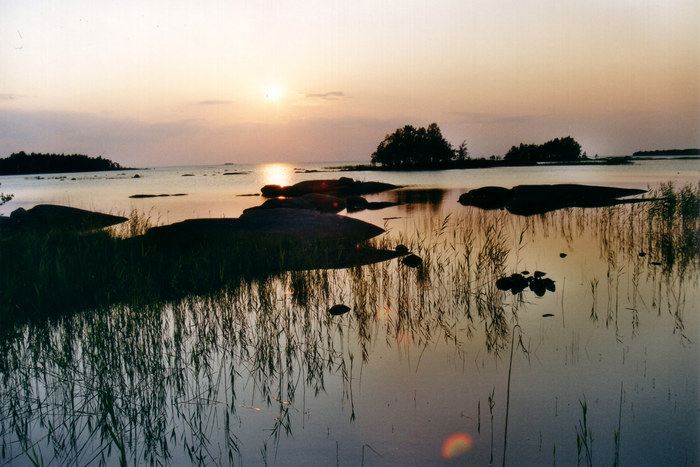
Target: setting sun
(277, 174)
(273, 92)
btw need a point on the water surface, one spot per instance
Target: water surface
(259, 373)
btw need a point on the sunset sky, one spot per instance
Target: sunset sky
(180, 82)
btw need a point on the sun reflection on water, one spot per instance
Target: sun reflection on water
(277, 174)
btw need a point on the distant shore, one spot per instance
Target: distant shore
(22, 163)
(484, 164)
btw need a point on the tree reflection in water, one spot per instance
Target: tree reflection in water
(158, 382)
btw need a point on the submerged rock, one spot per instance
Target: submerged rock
(401, 249)
(412, 261)
(516, 283)
(337, 310)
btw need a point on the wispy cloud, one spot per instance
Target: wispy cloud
(215, 102)
(327, 96)
(476, 118)
(8, 97)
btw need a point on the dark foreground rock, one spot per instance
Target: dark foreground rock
(527, 200)
(297, 225)
(51, 216)
(269, 240)
(343, 187)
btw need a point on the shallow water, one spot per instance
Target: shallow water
(210, 193)
(259, 372)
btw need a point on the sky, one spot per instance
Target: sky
(171, 82)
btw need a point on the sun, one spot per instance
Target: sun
(273, 92)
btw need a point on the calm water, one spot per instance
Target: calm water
(429, 366)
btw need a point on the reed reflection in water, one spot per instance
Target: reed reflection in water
(260, 372)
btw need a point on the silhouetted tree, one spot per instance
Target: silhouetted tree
(462, 153)
(23, 163)
(415, 147)
(558, 149)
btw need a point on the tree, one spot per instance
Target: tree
(558, 149)
(462, 153)
(23, 163)
(411, 147)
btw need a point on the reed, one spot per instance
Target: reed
(161, 351)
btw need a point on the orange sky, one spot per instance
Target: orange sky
(174, 82)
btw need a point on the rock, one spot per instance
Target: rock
(268, 240)
(161, 195)
(281, 224)
(337, 310)
(537, 286)
(488, 197)
(136, 176)
(412, 261)
(562, 255)
(313, 201)
(547, 315)
(401, 250)
(516, 283)
(18, 213)
(356, 203)
(343, 187)
(504, 283)
(549, 284)
(528, 200)
(49, 216)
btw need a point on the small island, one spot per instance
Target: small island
(21, 163)
(411, 148)
(668, 153)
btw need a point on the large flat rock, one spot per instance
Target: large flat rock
(51, 216)
(527, 200)
(342, 187)
(284, 224)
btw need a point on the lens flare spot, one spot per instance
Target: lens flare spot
(456, 445)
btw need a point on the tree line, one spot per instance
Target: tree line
(22, 163)
(669, 152)
(411, 147)
(426, 148)
(556, 150)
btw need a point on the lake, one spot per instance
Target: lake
(434, 365)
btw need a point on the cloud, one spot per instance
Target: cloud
(8, 97)
(477, 118)
(327, 96)
(215, 102)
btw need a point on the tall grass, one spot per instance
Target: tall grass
(148, 350)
